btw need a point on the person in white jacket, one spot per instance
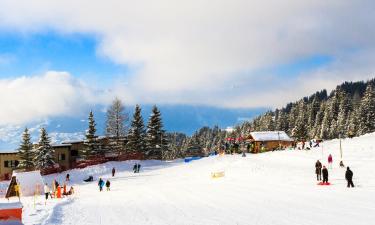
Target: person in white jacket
(46, 190)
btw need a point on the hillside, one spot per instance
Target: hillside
(349, 110)
(272, 188)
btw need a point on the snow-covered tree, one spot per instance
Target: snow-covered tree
(44, 152)
(366, 117)
(156, 142)
(91, 143)
(137, 133)
(25, 152)
(116, 125)
(300, 129)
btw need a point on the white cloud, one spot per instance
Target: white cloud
(34, 98)
(198, 51)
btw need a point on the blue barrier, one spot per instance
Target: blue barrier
(191, 159)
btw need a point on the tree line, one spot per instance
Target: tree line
(151, 141)
(348, 111)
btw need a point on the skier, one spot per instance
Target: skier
(100, 184)
(46, 191)
(108, 184)
(349, 177)
(318, 170)
(325, 175)
(330, 161)
(113, 171)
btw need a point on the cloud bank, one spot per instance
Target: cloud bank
(26, 99)
(202, 51)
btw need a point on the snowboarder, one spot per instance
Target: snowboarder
(46, 191)
(100, 184)
(113, 171)
(108, 184)
(67, 177)
(138, 167)
(318, 170)
(330, 160)
(349, 177)
(325, 175)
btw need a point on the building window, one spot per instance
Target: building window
(61, 157)
(11, 163)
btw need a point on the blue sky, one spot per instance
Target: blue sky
(36, 53)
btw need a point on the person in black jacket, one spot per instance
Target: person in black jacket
(318, 170)
(325, 175)
(349, 177)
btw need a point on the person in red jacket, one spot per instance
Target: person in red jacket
(330, 160)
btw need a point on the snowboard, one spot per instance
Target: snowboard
(324, 184)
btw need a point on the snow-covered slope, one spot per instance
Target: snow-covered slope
(272, 188)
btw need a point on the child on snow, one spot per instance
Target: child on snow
(108, 184)
(100, 184)
(46, 190)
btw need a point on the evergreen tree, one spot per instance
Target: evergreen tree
(44, 152)
(367, 111)
(116, 126)
(137, 133)
(300, 130)
(91, 143)
(156, 142)
(25, 152)
(344, 113)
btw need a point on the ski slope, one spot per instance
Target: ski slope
(277, 188)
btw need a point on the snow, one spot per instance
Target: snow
(270, 136)
(278, 188)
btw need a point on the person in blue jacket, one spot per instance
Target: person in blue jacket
(101, 184)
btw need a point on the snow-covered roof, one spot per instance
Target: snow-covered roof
(270, 136)
(61, 145)
(72, 142)
(8, 152)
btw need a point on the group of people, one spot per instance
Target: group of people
(101, 184)
(57, 190)
(136, 168)
(322, 170)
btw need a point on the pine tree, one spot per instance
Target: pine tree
(116, 126)
(344, 113)
(25, 152)
(300, 130)
(366, 117)
(156, 142)
(91, 143)
(137, 133)
(44, 152)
